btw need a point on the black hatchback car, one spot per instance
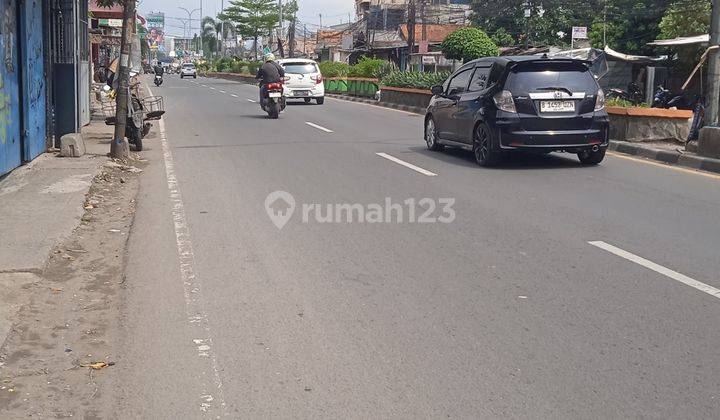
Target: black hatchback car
(529, 103)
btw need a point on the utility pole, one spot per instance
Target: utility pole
(119, 148)
(424, 27)
(222, 29)
(411, 28)
(281, 30)
(713, 88)
(291, 39)
(305, 34)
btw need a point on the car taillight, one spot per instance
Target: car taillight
(504, 101)
(319, 79)
(286, 78)
(600, 100)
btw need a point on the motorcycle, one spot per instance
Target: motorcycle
(664, 98)
(158, 80)
(633, 94)
(139, 113)
(273, 99)
(698, 119)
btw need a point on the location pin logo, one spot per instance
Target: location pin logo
(280, 206)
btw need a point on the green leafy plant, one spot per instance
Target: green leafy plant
(468, 44)
(334, 69)
(367, 67)
(415, 80)
(622, 103)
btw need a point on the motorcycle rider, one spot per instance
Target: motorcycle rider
(270, 72)
(158, 69)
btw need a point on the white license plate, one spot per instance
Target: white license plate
(557, 106)
(275, 94)
(301, 93)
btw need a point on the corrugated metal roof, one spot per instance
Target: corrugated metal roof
(685, 40)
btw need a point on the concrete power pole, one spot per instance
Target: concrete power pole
(119, 148)
(411, 29)
(281, 30)
(713, 88)
(222, 29)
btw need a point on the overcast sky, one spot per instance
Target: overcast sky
(333, 11)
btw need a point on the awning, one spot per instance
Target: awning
(634, 58)
(684, 40)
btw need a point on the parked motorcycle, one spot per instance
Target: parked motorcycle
(158, 80)
(698, 119)
(273, 99)
(139, 113)
(664, 98)
(633, 94)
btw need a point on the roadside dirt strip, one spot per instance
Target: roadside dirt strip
(58, 360)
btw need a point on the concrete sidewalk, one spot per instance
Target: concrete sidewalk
(40, 205)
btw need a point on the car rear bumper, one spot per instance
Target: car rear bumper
(512, 136)
(298, 92)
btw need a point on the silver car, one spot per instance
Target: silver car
(189, 70)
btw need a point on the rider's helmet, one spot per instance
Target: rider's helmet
(269, 57)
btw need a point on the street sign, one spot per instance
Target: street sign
(428, 60)
(579, 32)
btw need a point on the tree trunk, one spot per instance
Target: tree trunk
(119, 148)
(255, 47)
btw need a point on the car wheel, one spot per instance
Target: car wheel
(484, 148)
(320, 101)
(307, 100)
(195, 77)
(431, 136)
(588, 157)
(182, 77)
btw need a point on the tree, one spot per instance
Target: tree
(686, 18)
(215, 31)
(627, 25)
(252, 18)
(468, 44)
(547, 19)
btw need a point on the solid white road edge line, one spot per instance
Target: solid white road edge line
(319, 127)
(658, 268)
(406, 164)
(194, 307)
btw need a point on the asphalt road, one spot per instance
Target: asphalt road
(509, 311)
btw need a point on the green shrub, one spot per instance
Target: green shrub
(334, 69)
(622, 103)
(223, 64)
(367, 67)
(416, 80)
(468, 44)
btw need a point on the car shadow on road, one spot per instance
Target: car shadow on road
(514, 161)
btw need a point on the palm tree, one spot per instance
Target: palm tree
(215, 31)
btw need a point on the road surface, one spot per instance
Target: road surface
(558, 291)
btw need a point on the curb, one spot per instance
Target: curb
(406, 108)
(670, 157)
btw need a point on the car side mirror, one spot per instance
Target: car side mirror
(437, 90)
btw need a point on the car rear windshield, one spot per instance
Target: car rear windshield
(300, 68)
(189, 66)
(538, 77)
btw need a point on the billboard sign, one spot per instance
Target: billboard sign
(579, 32)
(156, 31)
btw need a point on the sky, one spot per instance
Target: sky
(333, 11)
